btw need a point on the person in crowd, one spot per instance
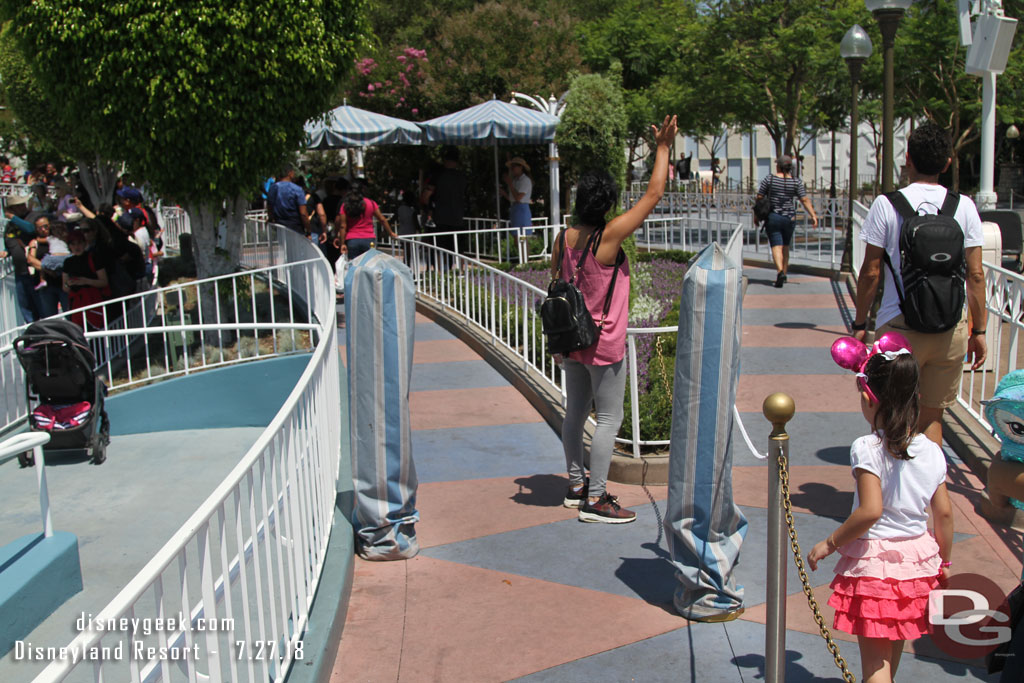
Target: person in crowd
(286, 203)
(317, 216)
(407, 215)
(940, 355)
(7, 174)
(889, 562)
(38, 201)
(518, 191)
(446, 198)
(782, 188)
(127, 266)
(47, 253)
(337, 187)
(85, 281)
(17, 238)
(354, 223)
(596, 376)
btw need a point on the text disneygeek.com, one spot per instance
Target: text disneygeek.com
(137, 650)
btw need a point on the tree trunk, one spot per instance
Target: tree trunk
(210, 257)
(99, 178)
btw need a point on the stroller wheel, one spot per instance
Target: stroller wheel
(27, 459)
(105, 430)
(99, 453)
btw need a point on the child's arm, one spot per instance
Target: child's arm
(869, 511)
(942, 513)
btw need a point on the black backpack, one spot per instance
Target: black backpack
(933, 268)
(565, 320)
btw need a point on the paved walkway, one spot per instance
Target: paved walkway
(509, 585)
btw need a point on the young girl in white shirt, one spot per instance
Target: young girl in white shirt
(889, 562)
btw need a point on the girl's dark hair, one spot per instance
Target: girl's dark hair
(596, 194)
(354, 205)
(894, 382)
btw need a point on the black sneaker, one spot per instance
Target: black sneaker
(780, 279)
(574, 498)
(606, 510)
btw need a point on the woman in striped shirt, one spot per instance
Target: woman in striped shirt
(781, 188)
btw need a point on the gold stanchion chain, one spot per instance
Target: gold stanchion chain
(808, 591)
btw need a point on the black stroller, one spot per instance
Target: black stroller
(65, 395)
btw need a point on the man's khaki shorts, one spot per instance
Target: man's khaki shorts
(940, 356)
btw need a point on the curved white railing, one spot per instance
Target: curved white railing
(245, 566)
(175, 222)
(506, 308)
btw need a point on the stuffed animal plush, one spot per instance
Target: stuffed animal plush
(1005, 412)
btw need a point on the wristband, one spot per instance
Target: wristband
(858, 327)
(945, 565)
(975, 332)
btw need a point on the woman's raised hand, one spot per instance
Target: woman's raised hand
(667, 133)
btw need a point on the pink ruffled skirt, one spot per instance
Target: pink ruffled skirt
(881, 587)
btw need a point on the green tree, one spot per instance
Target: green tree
(592, 132)
(49, 129)
(201, 99)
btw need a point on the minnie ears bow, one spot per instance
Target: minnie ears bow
(853, 355)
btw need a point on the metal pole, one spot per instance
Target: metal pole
(779, 409)
(986, 196)
(888, 22)
(855, 69)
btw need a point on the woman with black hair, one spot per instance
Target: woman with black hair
(782, 188)
(354, 224)
(597, 375)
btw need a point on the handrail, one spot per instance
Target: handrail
(504, 307)
(32, 441)
(249, 558)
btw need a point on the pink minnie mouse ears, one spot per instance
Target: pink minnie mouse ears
(854, 355)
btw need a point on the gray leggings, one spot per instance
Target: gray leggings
(604, 387)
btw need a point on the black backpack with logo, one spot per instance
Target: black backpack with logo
(933, 268)
(565, 319)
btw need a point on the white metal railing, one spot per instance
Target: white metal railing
(1004, 300)
(32, 441)
(505, 308)
(175, 222)
(10, 316)
(243, 569)
(495, 242)
(820, 245)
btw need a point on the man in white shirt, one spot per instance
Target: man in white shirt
(940, 355)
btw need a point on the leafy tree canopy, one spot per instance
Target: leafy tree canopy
(200, 98)
(592, 133)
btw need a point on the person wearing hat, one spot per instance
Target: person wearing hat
(518, 192)
(782, 188)
(18, 236)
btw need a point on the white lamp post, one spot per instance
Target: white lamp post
(888, 14)
(555, 108)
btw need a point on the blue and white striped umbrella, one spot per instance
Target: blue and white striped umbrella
(347, 126)
(493, 122)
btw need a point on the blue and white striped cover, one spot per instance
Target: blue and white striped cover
(703, 525)
(380, 315)
(491, 121)
(347, 126)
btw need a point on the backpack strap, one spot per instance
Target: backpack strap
(905, 210)
(900, 203)
(950, 204)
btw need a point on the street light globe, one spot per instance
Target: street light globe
(1013, 132)
(888, 5)
(856, 44)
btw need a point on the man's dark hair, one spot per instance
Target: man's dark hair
(929, 147)
(596, 194)
(450, 153)
(286, 168)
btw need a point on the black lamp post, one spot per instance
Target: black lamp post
(855, 48)
(888, 13)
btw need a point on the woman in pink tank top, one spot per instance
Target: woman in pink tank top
(597, 375)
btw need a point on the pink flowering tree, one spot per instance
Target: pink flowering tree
(392, 83)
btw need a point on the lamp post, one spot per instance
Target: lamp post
(555, 108)
(855, 48)
(1012, 133)
(888, 14)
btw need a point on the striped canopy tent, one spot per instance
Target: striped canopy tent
(492, 123)
(347, 126)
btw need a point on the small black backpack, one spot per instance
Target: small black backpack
(565, 320)
(933, 268)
